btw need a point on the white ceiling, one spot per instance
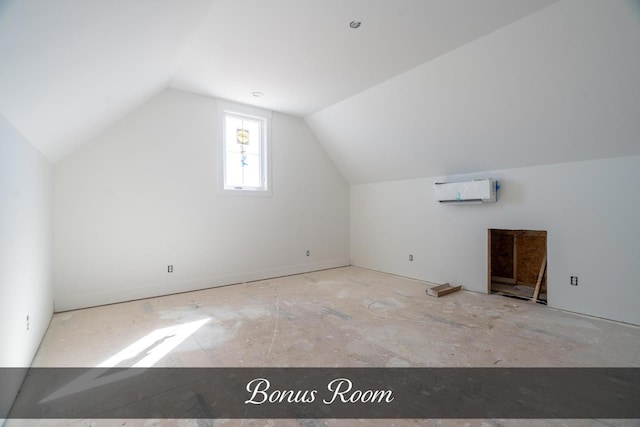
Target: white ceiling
(559, 86)
(71, 68)
(422, 88)
(303, 55)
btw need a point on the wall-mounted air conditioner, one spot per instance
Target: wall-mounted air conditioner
(476, 191)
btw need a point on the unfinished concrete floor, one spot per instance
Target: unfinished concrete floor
(345, 317)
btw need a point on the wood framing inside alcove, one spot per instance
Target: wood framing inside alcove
(517, 263)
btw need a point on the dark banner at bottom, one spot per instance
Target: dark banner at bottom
(212, 393)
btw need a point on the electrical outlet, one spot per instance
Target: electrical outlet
(170, 269)
(308, 253)
(410, 257)
(27, 322)
(574, 280)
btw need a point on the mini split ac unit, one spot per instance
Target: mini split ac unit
(468, 192)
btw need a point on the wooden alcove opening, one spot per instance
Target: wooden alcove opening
(518, 264)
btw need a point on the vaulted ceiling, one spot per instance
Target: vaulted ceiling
(423, 86)
(558, 86)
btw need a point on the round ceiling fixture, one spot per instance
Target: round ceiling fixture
(257, 94)
(355, 24)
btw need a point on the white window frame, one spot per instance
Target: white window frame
(253, 113)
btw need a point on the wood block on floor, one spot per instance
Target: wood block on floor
(440, 290)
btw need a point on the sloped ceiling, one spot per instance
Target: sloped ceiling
(303, 55)
(71, 68)
(559, 86)
(422, 88)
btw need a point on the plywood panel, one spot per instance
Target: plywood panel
(532, 247)
(516, 258)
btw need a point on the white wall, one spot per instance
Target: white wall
(25, 254)
(590, 210)
(144, 195)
